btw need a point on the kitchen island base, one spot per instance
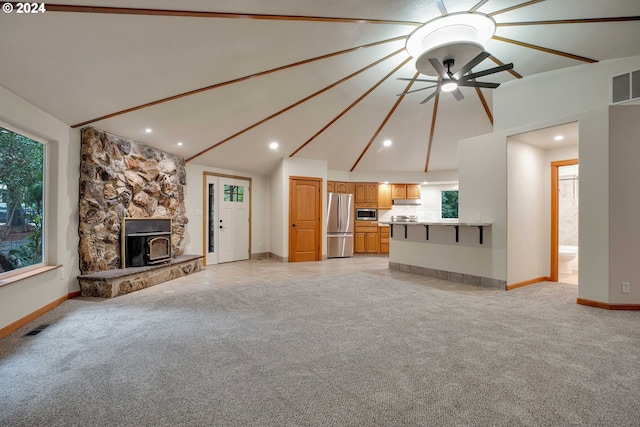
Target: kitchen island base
(451, 276)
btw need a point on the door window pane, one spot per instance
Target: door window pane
(233, 193)
(211, 219)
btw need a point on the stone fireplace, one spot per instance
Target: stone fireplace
(124, 182)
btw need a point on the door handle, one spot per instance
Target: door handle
(293, 225)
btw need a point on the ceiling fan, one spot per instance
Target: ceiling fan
(450, 82)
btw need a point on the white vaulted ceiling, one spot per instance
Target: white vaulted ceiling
(253, 72)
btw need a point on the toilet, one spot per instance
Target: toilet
(566, 254)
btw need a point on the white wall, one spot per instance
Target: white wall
(527, 220)
(194, 203)
(21, 298)
(280, 207)
(558, 93)
(624, 199)
(277, 226)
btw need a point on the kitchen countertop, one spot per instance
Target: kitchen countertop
(452, 223)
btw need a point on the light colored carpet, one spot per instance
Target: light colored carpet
(344, 350)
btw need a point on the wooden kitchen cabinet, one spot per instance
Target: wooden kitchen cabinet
(399, 191)
(331, 187)
(344, 187)
(366, 192)
(366, 238)
(340, 187)
(385, 200)
(406, 191)
(384, 240)
(413, 191)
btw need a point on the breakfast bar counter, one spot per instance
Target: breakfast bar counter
(447, 249)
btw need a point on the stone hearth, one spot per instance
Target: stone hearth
(111, 283)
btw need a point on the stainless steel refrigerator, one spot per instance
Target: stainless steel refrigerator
(340, 225)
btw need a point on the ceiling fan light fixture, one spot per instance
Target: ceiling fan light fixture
(463, 27)
(449, 87)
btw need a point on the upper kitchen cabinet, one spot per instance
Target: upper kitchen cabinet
(340, 187)
(406, 191)
(385, 201)
(367, 193)
(413, 191)
(344, 187)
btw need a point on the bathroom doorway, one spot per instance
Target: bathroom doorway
(565, 180)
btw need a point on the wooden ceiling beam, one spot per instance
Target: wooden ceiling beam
(500, 63)
(518, 6)
(202, 14)
(571, 21)
(544, 49)
(239, 79)
(384, 122)
(295, 104)
(356, 102)
(434, 116)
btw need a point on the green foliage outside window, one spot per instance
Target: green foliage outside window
(233, 193)
(450, 204)
(21, 201)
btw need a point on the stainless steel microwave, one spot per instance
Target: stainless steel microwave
(366, 214)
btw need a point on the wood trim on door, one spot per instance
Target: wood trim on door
(318, 214)
(553, 270)
(204, 205)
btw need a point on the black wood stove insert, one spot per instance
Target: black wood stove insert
(145, 241)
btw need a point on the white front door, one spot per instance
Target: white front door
(227, 221)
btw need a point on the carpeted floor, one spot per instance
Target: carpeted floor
(355, 349)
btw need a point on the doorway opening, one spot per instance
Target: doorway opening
(227, 219)
(565, 180)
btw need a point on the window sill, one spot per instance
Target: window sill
(27, 274)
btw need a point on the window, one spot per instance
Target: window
(233, 193)
(449, 204)
(21, 202)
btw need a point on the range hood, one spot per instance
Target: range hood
(413, 202)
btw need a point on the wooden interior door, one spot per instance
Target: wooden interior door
(305, 213)
(555, 221)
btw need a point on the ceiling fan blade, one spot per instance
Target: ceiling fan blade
(457, 94)
(469, 65)
(439, 69)
(416, 90)
(417, 80)
(435, 92)
(504, 67)
(478, 84)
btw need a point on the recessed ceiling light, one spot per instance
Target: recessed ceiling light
(148, 130)
(558, 137)
(274, 145)
(387, 143)
(449, 87)
(179, 144)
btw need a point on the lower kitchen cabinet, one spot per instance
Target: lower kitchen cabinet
(366, 240)
(384, 240)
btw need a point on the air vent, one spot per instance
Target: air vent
(625, 87)
(36, 331)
